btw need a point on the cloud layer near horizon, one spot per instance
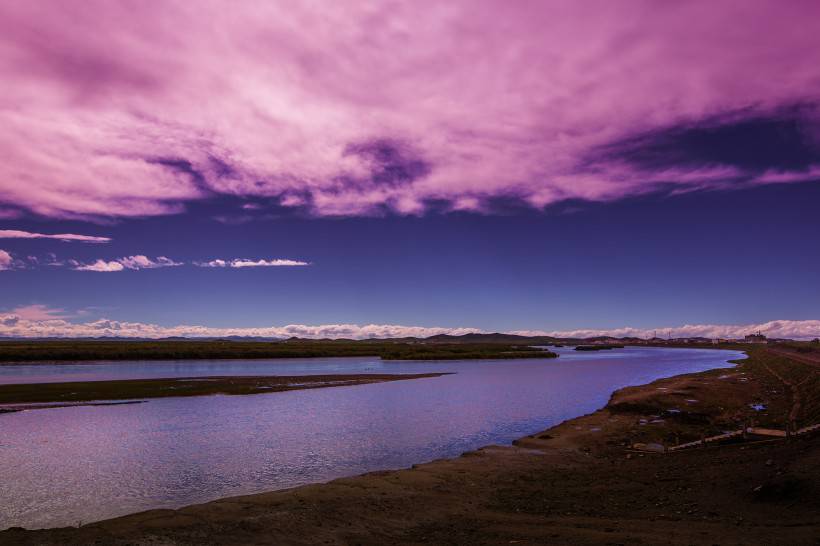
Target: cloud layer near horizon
(120, 109)
(36, 321)
(794, 329)
(15, 325)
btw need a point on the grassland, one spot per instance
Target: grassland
(472, 351)
(77, 350)
(597, 347)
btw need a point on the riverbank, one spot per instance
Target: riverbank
(26, 396)
(580, 482)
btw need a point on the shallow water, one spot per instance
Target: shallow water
(64, 466)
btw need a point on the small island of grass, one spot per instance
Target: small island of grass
(119, 350)
(598, 347)
(50, 395)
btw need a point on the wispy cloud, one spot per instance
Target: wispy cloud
(101, 266)
(239, 263)
(129, 262)
(38, 312)
(137, 262)
(143, 262)
(355, 108)
(67, 237)
(8, 214)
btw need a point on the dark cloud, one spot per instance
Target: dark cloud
(392, 163)
(753, 143)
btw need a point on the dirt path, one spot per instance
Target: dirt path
(796, 386)
(812, 359)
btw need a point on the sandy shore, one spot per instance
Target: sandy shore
(577, 483)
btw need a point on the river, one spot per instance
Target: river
(67, 466)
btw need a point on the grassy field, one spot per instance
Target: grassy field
(764, 390)
(72, 350)
(597, 347)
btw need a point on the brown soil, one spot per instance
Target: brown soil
(577, 483)
(51, 395)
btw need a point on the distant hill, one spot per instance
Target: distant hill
(506, 339)
(489, 338)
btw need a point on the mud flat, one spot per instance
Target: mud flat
(581, 482)
(27, 396)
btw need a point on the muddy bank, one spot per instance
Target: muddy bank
(48, 395)
(577, 483)
(14, 408)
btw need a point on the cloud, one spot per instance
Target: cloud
(239, 263)
(129, 262)
(213, 263)
(101, 266)
(794, 329)
(6, 260)
(17, 326)
(9, 214)
(68, 237)
(143, 262)
(140, 261)
(358, 108)
(37, 312)
(41, 321)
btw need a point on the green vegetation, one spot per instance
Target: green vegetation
(130, 389)
(766, 389)
(799, 347)
(799, 380)
(471, 351)
(63, 350)
(79, 350)
(598, 347)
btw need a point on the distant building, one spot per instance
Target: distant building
(755, 338)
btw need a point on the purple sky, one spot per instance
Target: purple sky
(115, 116)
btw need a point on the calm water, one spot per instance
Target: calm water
(63, 466)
